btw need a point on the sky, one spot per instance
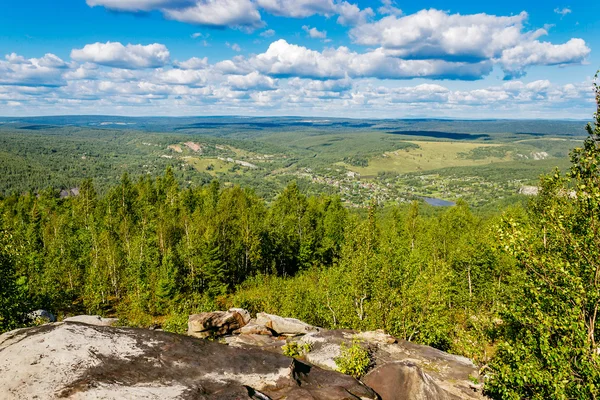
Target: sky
(328, 58)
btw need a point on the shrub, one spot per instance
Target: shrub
(293, 349)
(353, 360)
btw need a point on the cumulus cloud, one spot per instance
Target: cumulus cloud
(242, 14)
(114, 54)
(298, 8)
(215, 13)
(514, 60)
(44, 71)
(314, 33)
(350, 14)
(434, 34)
(283, 59)
(252, 81)
(193, 63)
(218, 13)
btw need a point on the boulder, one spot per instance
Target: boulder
(243, 313)
(92, 320)
(216, 323)
(284, 326)
(404, 380)
(80, 361)
(252, 328)
(447, 372)
(41, 316)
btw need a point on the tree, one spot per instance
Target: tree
(11, 300)
(549, 347)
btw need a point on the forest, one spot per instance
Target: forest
(518, 291)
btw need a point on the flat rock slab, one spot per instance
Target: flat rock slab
(80, 361)
(92, 320)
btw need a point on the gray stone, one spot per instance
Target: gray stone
(216, 323)
(92, 320)
(284, 326)
(404, 380)
(78, 361)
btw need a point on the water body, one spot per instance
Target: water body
(437, 202)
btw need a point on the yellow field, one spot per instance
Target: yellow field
(202, 163)
(429, 156)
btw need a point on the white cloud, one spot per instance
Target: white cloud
(137, 5)
(253, 80)
(514, 60)
(193, 63)
(114, 54)
(314, 33)
(267, 33)
(351, 15)
(218, 13)
(298, 8)
(287, 60)
(234, 46)
(389, 7)
(562, 11)
(45, 71)
(434, 34)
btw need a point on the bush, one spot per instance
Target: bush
(176, 323)
(353, 360)
(293, 349)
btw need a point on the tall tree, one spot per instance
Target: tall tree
(550, 347)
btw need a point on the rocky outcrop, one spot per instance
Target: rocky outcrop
(92, 320)
(217, 323)
(405, 380)
(284, 326)
(429, 370)
(87, 359)
(80, 361)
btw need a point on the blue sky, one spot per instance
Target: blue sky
(389, 59)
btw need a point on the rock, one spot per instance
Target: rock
(404, 380)
(79, 361)
(42, 316)
(265, 342)
(252, 328)
(92, 320)
(284, 326)
(448, 372)
(244, 314)
(216, 323)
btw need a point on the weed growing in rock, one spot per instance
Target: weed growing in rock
(294, 349)
(353, 360)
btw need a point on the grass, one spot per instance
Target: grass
(428, 156)
(202, 164)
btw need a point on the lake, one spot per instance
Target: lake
(437, 202)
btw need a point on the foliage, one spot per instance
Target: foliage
(549, 347)
(295, 350)
(12, 302)
(354, 360)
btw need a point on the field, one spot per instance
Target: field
(389, 160)
(429, 156)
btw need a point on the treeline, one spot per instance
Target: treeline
(149, 249)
